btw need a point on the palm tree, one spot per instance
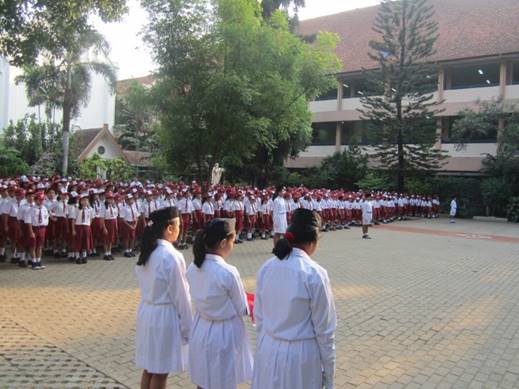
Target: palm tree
(65, 82)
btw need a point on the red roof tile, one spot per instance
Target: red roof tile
(467, 28)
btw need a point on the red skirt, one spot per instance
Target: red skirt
(83, 238)
(112, 232)
(186, 221)
(97, 230)
(50, 233)
(61, 229)
(127, 232)
(22, 234)
(199, 219)
(139, 230)
(252, 221)
(239, 220)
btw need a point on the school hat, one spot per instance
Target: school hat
(109, 195)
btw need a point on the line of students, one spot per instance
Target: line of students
(115, 214)
(294, 309)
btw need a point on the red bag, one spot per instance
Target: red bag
(250, 302)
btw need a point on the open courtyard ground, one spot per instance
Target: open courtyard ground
(425, 304)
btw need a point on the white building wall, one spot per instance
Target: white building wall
(14, 104)
(111, 151)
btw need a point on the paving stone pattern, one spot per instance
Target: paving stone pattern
(416, 310)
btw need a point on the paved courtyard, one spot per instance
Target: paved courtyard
(425, 304)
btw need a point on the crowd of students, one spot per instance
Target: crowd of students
(73, 219)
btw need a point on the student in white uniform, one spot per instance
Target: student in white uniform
(164, 314)
(219, 350)
(367, 215)
(279, 215)
(454, 209)
(295, 313)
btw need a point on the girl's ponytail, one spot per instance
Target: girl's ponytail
(199, 250)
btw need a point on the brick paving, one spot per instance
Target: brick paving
(416, 310)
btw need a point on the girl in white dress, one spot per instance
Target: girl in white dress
(219, 350)
(164, 315)
(295, 313)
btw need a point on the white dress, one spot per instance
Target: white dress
(219, 348)
(295, 324)
(164, 316)
(367, 213)
(279, 215)
(454, 208)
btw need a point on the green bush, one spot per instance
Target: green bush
(512, 212)
(467, 191)
(375, 180)
(496, 194)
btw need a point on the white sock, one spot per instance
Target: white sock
(22, 256)
(83, 254)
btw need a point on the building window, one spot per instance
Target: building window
(360, 133)
(515, 72)
(323, 134)
(448, 135)
(330, 95)
(101, 150)
(474, 76)
(355, 88)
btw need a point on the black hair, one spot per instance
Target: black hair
(279, 189)
(304, 228)
(208, 238)
(159, 220)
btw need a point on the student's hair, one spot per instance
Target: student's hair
(159, 220)
(208, 238)
(278, 191)
(304, 228)
(80, 206)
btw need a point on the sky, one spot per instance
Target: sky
(133, 59)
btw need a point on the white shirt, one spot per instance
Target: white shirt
(251, 208)
(294, 301)
(130, 213)
(59, 209)
(110, 212)
(38, 216)
(216, 289)
(367, 208)
(208, 208)
(185, 205)
(84, 216)
(163, 281)
(279, 206)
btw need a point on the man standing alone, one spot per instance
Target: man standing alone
(454, 209)
(367, 215)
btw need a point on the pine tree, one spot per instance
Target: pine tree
(400, 105)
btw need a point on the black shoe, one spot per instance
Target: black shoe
(71, 259)
(84, 260)
(78, 261)
(132, 254)
(2, 258)
(366, 237)
(22, 263)
(106, 257)
(127, 254)
(111, 257)
(14, 260)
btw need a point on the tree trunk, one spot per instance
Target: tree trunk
(67, 111)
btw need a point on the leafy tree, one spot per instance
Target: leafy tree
(91, 168)
(270, 6)
(231, 88)
(67, 79)
(403, 106)
(483, 123)
(135, 119)
(31, 138)
(30, 28)
(344, 169)
(119, 170)
(10, 162)
(374, 180)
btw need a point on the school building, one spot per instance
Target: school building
(478, 60)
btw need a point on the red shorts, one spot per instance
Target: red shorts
(13, 232)
(40, 234)
(199, 219)
(83, 238)
(217, 214)
(112, 231)
(22, 234)
(50, 233)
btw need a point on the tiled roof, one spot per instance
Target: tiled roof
(83, 138)
(138, 158)
(123, 85)
(467, 28)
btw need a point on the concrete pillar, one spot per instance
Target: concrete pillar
(439, 131)
(441, 83)
(339, 94)
(338, 133)
(503, 75)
